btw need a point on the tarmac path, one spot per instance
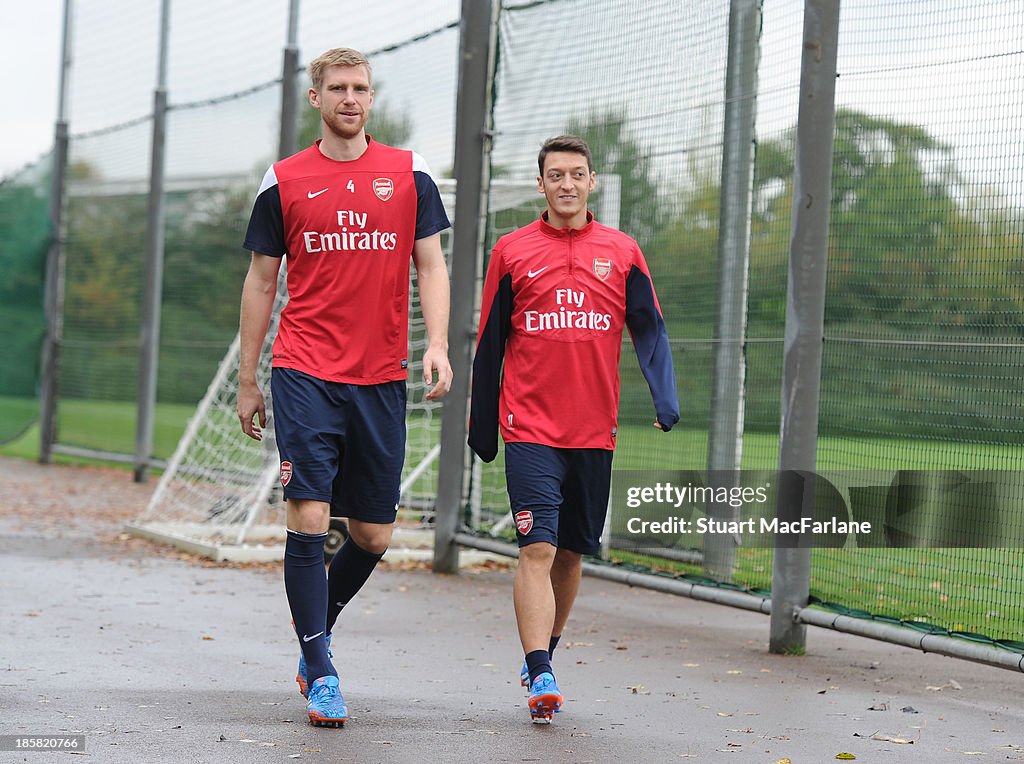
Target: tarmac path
(157, 656)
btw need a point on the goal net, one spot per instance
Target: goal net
(220, 494)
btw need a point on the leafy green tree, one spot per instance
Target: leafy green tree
(641, 212)
(106, 236)
(897, 230)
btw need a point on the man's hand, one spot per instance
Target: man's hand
(436, 360)
(250, 406)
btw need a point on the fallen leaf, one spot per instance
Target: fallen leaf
(891, 739)
(879, 707)
(784, 761)
(845, 756)
(909, 710)
(734, 671)
(208, 639)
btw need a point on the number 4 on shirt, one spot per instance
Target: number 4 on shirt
(351, 186)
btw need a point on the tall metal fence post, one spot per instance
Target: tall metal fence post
(53, 296)
(288, 137)
(477, 37)
(725, 432)
(805, 313)
(152, 287)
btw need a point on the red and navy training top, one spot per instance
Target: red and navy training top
(555, 304)
(348, 230)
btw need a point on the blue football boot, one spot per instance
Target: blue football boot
(545, 698)
(326, 705)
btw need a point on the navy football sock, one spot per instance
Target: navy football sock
(552, 645)
(537, 662)
(305, 583)
(350, 568)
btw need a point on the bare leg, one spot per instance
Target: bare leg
(566, 571)
(533, 596)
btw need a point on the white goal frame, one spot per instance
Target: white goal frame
(219, 495)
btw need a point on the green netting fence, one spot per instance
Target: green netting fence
(25, 238)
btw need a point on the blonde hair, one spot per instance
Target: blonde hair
(336, 57)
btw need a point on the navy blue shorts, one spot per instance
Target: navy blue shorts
(558, 495)
(340, 443)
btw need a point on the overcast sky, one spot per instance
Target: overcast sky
(951, 101)
(30, 61)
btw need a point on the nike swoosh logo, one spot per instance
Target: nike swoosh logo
(531, 274)
(310, 639)
(313, 195)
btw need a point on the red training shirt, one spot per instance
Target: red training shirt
(348, 230)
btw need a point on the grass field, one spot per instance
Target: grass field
(975, 590)
(101, 425)
(969, 590)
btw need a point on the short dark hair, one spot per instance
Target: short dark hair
(570, 143)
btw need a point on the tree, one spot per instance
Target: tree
(641, 211)
(897, 231)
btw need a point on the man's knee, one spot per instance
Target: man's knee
(538, 554)
(374, 538)
(308, 516)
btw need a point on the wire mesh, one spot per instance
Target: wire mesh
(624, 82)
(924, 351)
